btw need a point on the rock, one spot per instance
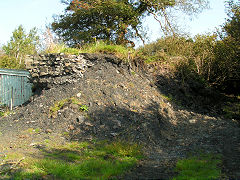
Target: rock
(88, 124)
(118, 123)
(71, 127)
(74, 106)
(80, 119)
(49, 131)
(192, 121)
(43, 73)
(114, 134)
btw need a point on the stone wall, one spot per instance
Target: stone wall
(56, 69)
(52, 69)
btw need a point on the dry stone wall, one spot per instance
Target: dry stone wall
(52, 69)
(49, 70)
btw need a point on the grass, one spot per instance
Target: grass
(75, 160)
(204, 167)
(168, 97)
(98, 47)
(84, 108)
(5, 113)
(57, 106)
(60, 104)
(103, 47)
(62, 48)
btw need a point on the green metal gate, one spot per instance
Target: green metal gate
(15, 87)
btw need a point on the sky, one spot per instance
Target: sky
(39, 13)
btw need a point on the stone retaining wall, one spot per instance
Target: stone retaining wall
(56, 69)
(52, 69)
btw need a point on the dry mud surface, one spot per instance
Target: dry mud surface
(124, 105)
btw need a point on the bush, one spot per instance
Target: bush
(10, 63)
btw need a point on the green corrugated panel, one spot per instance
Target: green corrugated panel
(14, 87)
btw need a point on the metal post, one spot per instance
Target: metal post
(11, 105)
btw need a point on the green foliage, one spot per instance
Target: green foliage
(21, 44)
(82, 161)
(204, 167)
(84, 108)
(86, 21)
(106, 48)
(62, 48)
(205, 58)
(5, 112)
(60, 104)
(9, 62)
(228, 51)
(57, 106)
(165, 48)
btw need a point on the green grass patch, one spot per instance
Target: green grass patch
(204, 167)
(84, 108)
(62, 48)
(97, 47)
(103, 47)
(57, 106)
(74, 160)
(5, 113)
(60, 104)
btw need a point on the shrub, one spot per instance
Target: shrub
(9, 62)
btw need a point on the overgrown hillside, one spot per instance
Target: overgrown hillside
(167, 110)
(117, 103)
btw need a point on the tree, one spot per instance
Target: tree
(227, 50)
(22, 44)
(117, 21)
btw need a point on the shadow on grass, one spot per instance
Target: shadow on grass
(74, 160)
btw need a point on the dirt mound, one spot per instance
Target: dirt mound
(113, 102)
(120, 104)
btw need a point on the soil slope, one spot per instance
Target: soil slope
(126, 105)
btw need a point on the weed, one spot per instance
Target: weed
(84, 108)
(57, 106)
(37, 130)
(203, 167)
(168, 97)
(46, 141)
(5, 113)
(133, 73)
(65, 133)
(75, 100)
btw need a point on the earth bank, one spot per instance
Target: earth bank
(117, 102)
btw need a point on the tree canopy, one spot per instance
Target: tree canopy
(117, 21)
(21, 43)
